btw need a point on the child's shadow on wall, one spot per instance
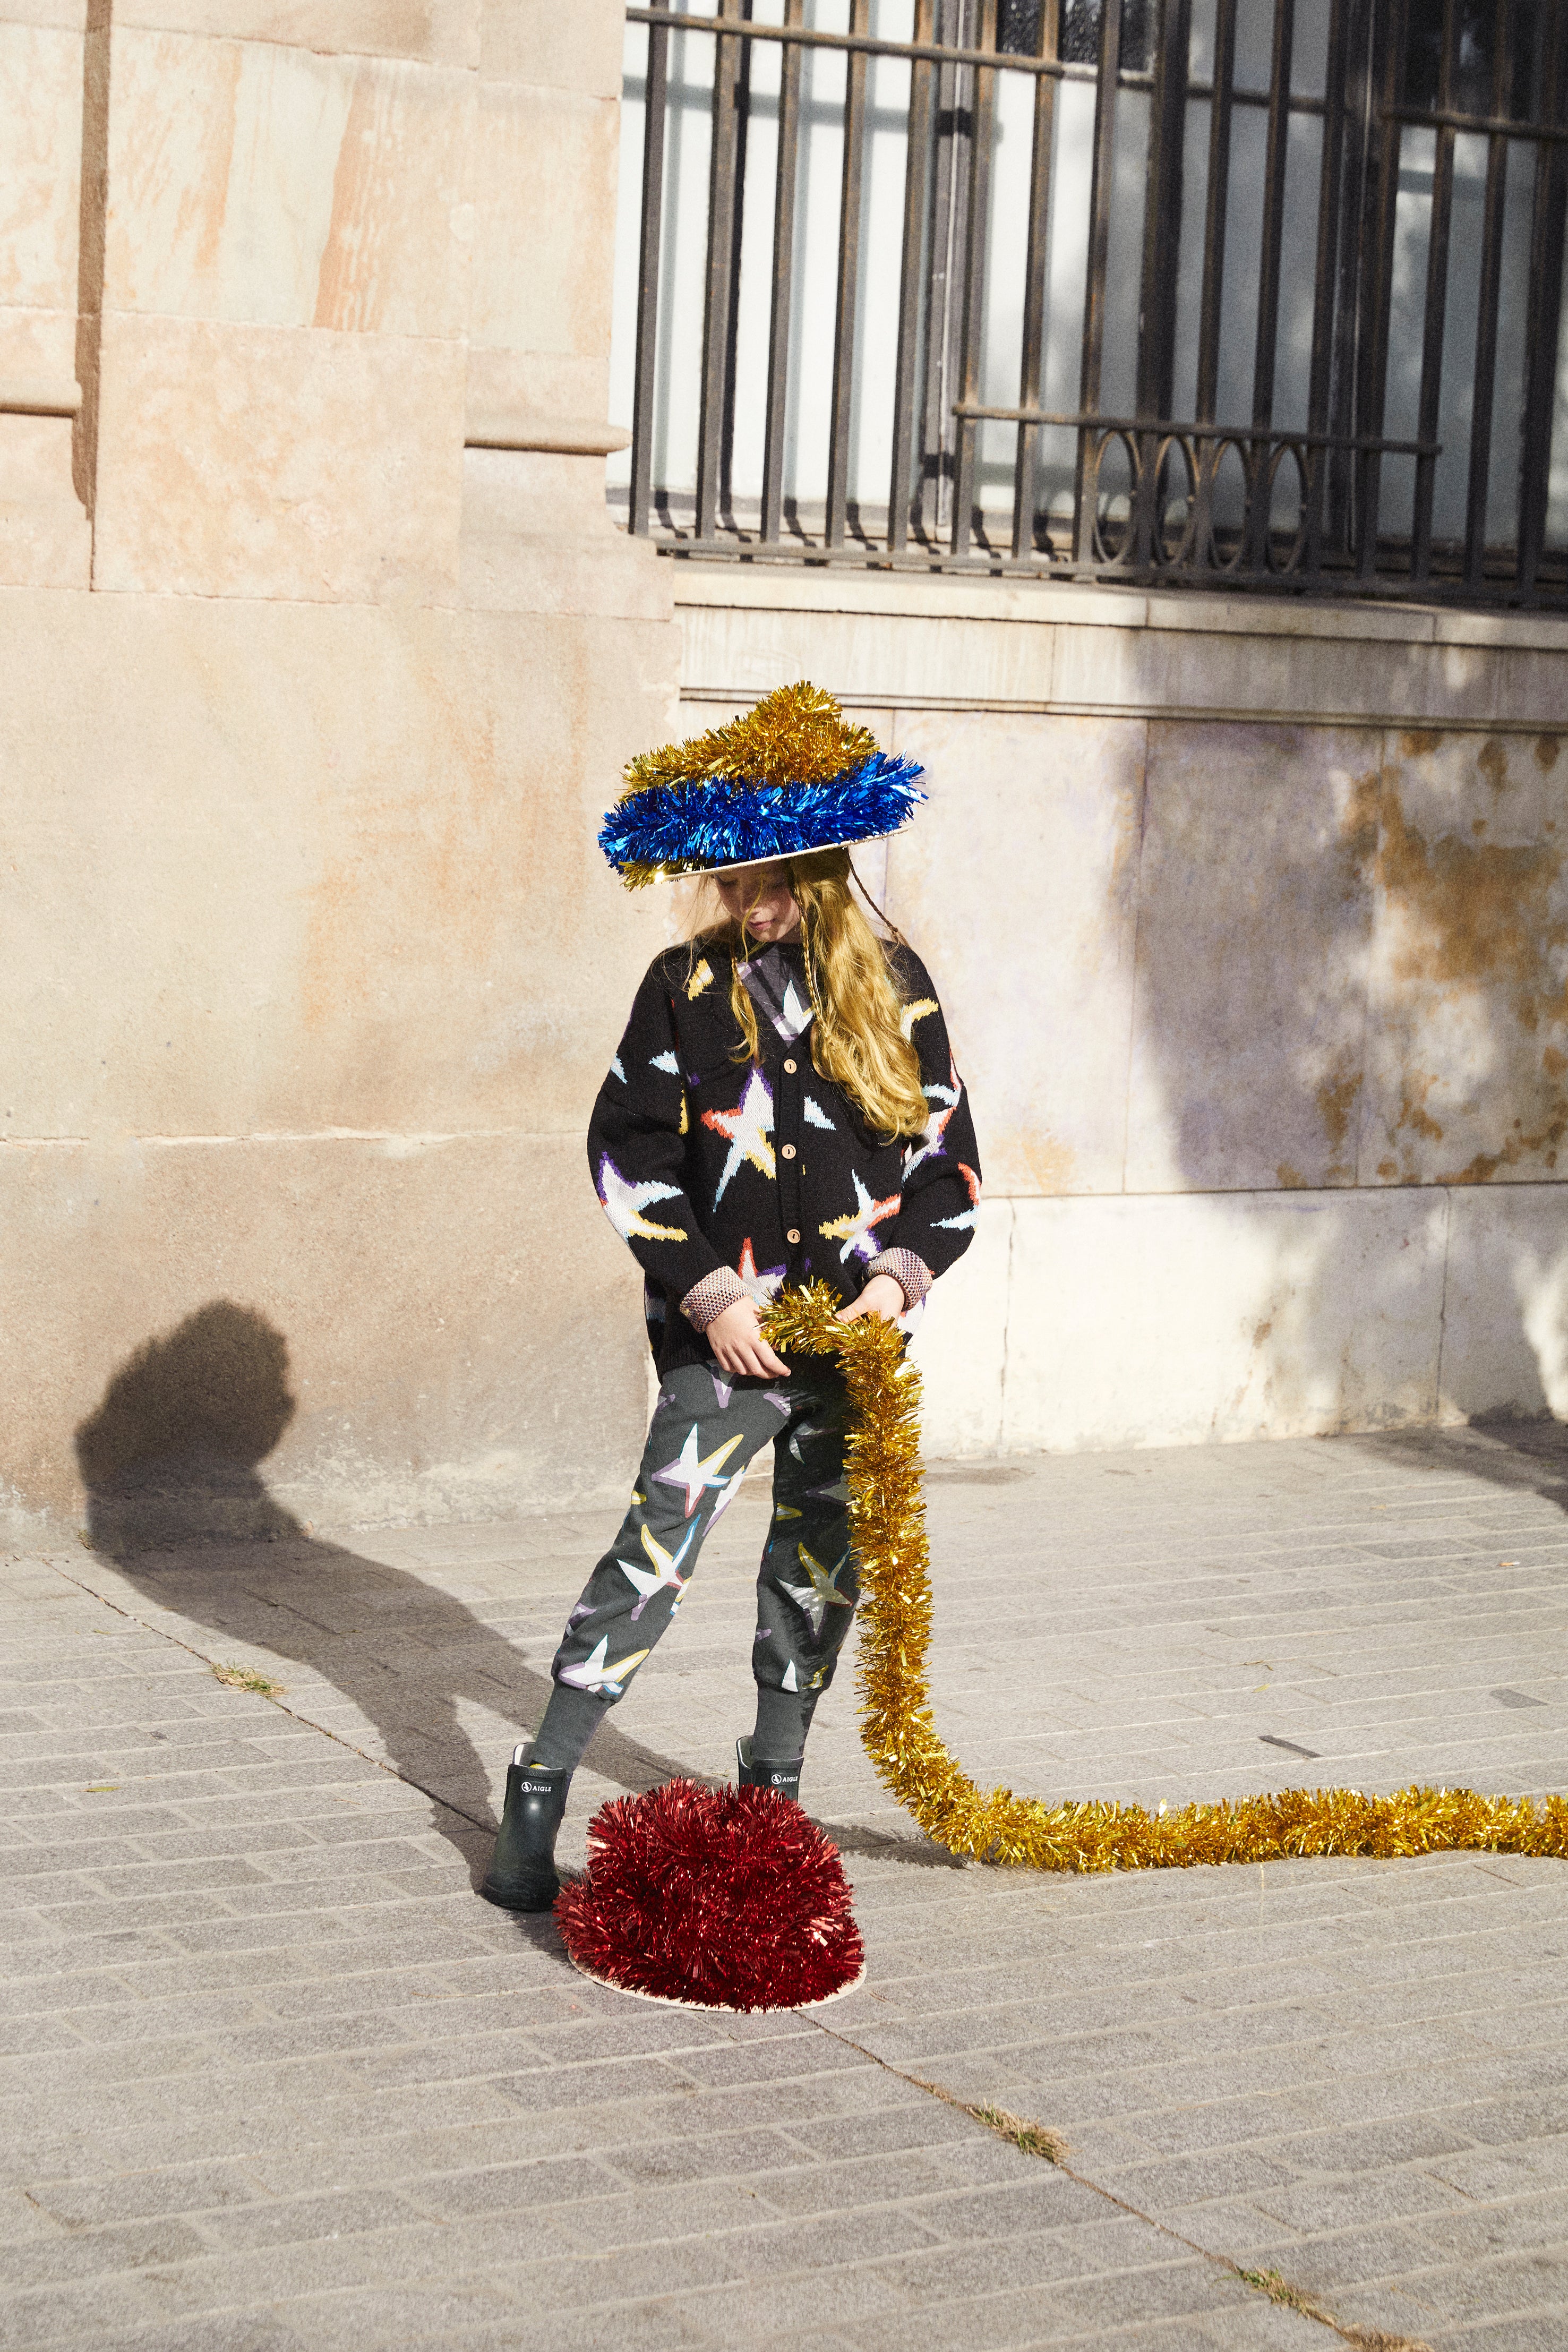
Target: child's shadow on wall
(174, 1501)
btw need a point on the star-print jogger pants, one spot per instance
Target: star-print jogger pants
(704, 1432)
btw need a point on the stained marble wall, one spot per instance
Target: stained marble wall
(1252, 924)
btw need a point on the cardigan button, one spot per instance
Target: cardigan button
(792, 1237)
(789, 1151)
(791, 1066)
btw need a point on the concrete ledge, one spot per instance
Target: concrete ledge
(33, 395)
(498, 429)
(947, 644)
(786, 588)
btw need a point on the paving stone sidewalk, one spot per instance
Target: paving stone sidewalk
(276, 2081)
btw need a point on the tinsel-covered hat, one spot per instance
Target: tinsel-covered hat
(792, 775)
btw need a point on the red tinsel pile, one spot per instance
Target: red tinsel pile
(730, 1898)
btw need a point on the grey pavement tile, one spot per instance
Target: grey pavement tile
(180, 2190)
(81, 2253)
(1543, 2331)
(1178, 2024)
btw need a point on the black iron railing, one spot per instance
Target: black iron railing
(1400, 433)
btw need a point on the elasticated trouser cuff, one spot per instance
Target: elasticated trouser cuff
(571, 1720)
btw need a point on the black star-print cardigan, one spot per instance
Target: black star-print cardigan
(726, 1177)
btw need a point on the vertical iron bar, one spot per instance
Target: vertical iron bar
(716, 285)
(648, 276)
(982, 118)
(1545, 306)
(1266, 349)
(916, 181)
(849, 279)
(732, 306)
(1437, 306)
(1324, 273)
(1213, 213)
(1277, 156)
(1486, 309)
(783, 278)
(1345, 365)
(1383, 140)
(946, 225)
(1034, 280)
(1094, 289)
(1162, 256)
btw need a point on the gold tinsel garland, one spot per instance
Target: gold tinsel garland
(887, 1519)
(796, 735)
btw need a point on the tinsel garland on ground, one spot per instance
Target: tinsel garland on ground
(887, 1518)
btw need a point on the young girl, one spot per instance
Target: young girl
(783, 1109)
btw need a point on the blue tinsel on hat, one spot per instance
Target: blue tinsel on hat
(788, 777)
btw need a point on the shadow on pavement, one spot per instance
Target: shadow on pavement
(1527, 1455)
(176, 1502)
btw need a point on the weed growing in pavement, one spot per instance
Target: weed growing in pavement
(1365, 2339)
(247, 1678)
(1033, 2138)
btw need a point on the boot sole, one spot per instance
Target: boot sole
(526, 1902)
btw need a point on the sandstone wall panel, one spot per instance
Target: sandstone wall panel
(434, 32)
(290, 870)
(273, 186)
(531, 292)
(268, 461)
(40, 167)
(435, 1360)
(1018, 885)
(578, 49)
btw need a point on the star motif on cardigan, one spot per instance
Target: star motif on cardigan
(747, 1131)
(763, 1284)
(857, 1228)
(694, 1476)
(623, 1204)
(929, 1146)
(594, 1674)
(970, 1215)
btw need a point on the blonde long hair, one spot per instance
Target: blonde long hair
(857, 1039)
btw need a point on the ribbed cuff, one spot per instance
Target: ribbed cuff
(713, 1294)
(911, 1274)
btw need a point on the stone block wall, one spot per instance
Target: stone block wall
(1252, 923)
(321, 659)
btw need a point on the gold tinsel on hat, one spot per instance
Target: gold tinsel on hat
(887, 1521)
(796, 735)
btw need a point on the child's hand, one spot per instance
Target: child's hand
(739, 1346)
(882, 1296)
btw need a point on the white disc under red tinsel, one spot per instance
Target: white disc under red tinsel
(713, 1899)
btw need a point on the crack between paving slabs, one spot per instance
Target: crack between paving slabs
(1033, 2139)
(271, 1698)
(1044, 2144)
